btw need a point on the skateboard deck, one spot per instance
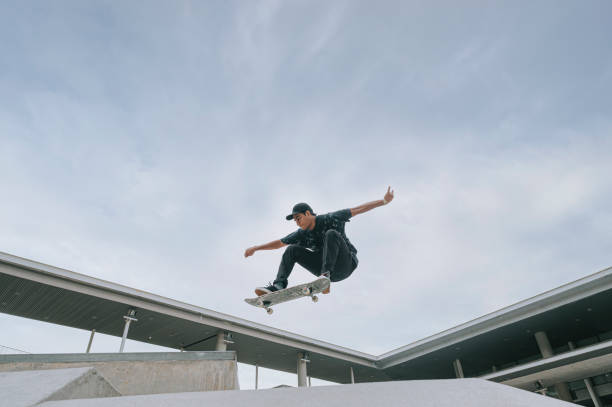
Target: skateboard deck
(266, 301)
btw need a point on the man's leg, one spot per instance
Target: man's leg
(337, 259)
(310, 260)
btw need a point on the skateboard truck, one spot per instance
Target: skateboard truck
(265, 305)
(308, 291)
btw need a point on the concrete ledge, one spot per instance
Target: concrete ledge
(565, 367)
(29, 388)
(115, 357)
(143, 373)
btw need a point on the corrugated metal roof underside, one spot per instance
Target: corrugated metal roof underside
(56, 305)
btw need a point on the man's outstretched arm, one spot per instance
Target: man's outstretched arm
(277, 244)
(374, 204)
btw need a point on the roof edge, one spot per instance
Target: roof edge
(224, 319)
(554, 298)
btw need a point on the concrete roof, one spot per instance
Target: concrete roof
(39, 291)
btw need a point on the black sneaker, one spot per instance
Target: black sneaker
(270, 288)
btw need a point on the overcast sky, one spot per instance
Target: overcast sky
(150, 143)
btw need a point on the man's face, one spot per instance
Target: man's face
(303, 220)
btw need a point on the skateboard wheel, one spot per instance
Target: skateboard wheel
(259, 303)
(305, 291)
(269, 311)
(315, 298)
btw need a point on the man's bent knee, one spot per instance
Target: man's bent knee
(340, 275)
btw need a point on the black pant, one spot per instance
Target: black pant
(335, 258)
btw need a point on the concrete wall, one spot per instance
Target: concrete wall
(143, 373)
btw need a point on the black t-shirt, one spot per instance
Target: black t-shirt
(313, 239)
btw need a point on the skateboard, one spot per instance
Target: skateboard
(266, 301)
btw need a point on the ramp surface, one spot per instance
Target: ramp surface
(418, 393)
(28, 388)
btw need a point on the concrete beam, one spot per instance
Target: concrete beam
(574, 365)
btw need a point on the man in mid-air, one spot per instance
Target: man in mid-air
(319, 245)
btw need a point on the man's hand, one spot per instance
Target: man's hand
(388, 196)
(277, 244)
(374, 204)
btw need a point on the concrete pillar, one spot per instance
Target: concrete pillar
(547, 351)
(589, 384)
(256, 377)
(352, 376)
(544, 344)
(458, 369)
(302, 369)
(221, 345)
(93, 331)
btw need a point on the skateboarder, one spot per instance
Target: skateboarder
(319, 245)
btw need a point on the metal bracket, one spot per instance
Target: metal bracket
(228, 338)
(130, 316)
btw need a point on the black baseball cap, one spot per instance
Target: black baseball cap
(300, 208)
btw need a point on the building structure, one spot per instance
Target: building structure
(558, 343)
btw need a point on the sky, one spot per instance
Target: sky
(149, 144)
